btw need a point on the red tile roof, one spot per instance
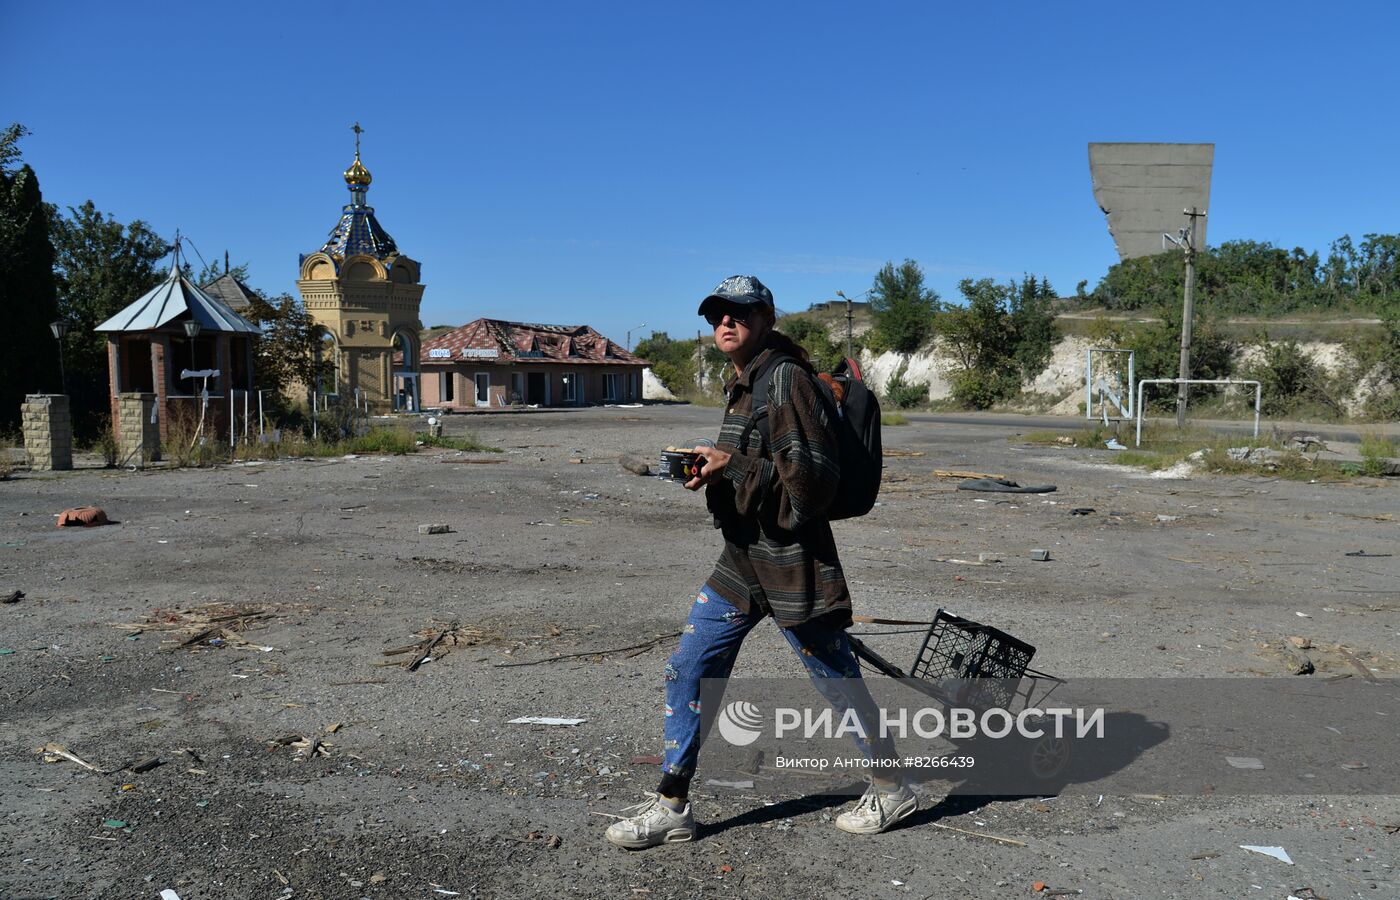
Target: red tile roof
(495, 339)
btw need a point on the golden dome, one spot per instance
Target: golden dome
(357, 174)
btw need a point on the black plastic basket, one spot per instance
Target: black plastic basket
(957, 649)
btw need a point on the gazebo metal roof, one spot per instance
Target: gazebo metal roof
(177, 299)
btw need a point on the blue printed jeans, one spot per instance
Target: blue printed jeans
(710, 643)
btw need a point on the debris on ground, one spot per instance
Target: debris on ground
(1361, 554)
(306, 747)
(738, 785)
(422, 650)
(1244, 762)
(211, 625)
(435, 529)
(1082, 511)
(54, 752)
(1277, 853)
(12, 597)
(1040, 555)
(546, 720)
(631, 650)
(145, 765)
(83, 517)
(441, 638)
(1298, 662)
(634, 464)
(947, 473)
(1004, 486)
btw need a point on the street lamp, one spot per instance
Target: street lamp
(192, 331)
(59, 327)
(629, 334)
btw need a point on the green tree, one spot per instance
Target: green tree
(903, 308)
(28, 352)
(1002, 338)
(100, 266)
(285, 354)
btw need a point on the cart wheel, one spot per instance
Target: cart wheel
(1049, 756)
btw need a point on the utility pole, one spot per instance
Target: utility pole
(1186, 240)
(850, 320)
(699, 361)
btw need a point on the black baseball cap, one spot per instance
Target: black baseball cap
(738, 290)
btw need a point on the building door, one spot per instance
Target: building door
(535, 390)
(483, 388)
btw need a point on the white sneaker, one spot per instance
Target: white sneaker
(878, 810)
(651, 823)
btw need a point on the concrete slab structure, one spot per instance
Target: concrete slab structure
(1143, 188)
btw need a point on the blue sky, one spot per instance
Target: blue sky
(608, 163)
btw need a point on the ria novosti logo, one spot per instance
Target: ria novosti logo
(740, 723)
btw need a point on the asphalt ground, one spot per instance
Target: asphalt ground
(422, 787)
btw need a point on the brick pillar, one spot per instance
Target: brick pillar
(160, 367)
(137, 436)
(48, 432)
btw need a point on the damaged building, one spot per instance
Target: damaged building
(494, 364)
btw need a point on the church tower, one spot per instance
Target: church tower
(364, 296)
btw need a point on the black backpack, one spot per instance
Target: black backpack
(857, 418)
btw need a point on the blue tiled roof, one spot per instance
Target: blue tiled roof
(358, 231)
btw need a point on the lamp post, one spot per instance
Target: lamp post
(629, 334)
(192, 329)
(59, 327)
(850, 320)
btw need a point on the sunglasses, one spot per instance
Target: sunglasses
(738, 315)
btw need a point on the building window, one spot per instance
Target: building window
(517, 387)
(612, 386)
(446, 390)
(636, 394)
(570, 392)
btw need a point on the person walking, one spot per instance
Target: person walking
(768, 494)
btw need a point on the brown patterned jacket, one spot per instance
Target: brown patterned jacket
(779, 554)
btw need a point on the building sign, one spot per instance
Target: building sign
(439, 354)
(469, 353)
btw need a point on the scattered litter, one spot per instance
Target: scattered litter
(988, 558)
(82, 516)
(738, 785)
(1357, 553)
(422, 651)
(1277, 853)
(1040, 555)
(1004, 486)
(991, 837)
(1082, 511)
(114, 823)
(545, 720)
(945, 473)
(1208, 855)
(1301, 643)
(12, 597)
(636, 650)
(145, 765)
(168, 894)
(55, 752)
(1355, 766)
(435, 529)
(211, 625)
(1113, 444)
(1245, 762)
(647, 760)
(1302, 615)
(1165, 518)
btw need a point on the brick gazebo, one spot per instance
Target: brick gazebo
(178, 353)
